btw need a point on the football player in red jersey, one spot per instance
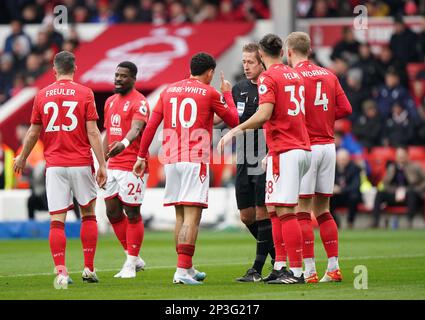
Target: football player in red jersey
(325, 102)
(126, 114)
(66, 112)
(187, 109)
(281, 110)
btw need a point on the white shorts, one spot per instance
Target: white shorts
(126, 186)
(62, 183)
(320, 178)
(283, 178)
(187, 183)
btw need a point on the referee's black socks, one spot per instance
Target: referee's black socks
(264, 244)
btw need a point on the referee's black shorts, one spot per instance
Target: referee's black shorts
(250, 189)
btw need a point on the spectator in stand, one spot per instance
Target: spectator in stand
(17, 31)
(55, 37)
(386, 61)
(321, 9)
(22, 181)
(347, 186)
(130, 14)
(30, 14)
(159, 13)
(404, 184)
(420, 129)
(368, 66)
(20, 51)
(80, 15)
(368, 127)
(377, 8)
(399, 128)
(104, 13)
(34, 68)
(145, 11)
(404, 42)
(348, 142)
(347, 48)
(355, 93)
(422, 42)
(226, 11)
(177, 13)
(6, 165)
(340, 67)
(251, 10)
(392, 92)
(44, 48)
(19, 83)
(7, 75)
(410, 8)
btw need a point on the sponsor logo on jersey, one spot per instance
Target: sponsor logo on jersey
(262, 89)
(115, 125)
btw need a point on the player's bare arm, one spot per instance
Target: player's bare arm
(96, 144)
(105, 144)
(263, 114)
(118, 146)
(30, 140)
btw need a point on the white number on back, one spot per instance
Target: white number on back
(321, 98)
(51, 127)
(299, 105)
(182, 108)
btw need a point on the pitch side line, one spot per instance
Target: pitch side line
(419, 255)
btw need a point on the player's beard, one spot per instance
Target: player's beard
(123, 90)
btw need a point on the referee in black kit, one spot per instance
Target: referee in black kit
(250, 177)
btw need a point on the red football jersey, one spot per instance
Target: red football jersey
(323, 97)
(187, 108)
(286, 129)
(63, 108)
(120, 111)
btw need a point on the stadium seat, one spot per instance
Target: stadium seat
(378, 158)
(416, 153)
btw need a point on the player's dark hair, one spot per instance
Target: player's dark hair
(252, 47)
(271, 44)
(64, 62)
(200, 63)
(130, 66)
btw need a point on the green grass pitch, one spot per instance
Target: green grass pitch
(394, 261)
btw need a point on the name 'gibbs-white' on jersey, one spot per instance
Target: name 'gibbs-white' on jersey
(284, 88)
(63, 108)
(120, 111)
(325, 101)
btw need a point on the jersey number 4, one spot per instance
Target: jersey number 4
(181, 110)
(321, 98)
(51, 127)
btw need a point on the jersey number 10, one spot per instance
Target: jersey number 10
(182, 108)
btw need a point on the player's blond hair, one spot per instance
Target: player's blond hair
(299, 42)
(252, 47)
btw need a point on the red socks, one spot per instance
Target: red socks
(120, 229)
(185, 253)
(304, 220)
(57, 240)
(135, 234)
(328, 233)
(279, 246)
(88, 236)
(292, 237)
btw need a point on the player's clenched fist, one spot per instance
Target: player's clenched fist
(19, 164)
(139, 167)
(101, 176)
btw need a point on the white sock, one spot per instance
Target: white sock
(333, 264)
(132, 259)
(279, 265)
(297, 272)
(182, 272)
(310, 266)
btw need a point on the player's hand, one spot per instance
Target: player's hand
(115, 148)
(139, 168)
(101, 176)
(225, 86)
(226, 139)
(19, 164)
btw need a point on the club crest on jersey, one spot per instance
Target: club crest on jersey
(126, 105)
(223, 101)
(143, 108)
(202, 177)
(262, 89)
